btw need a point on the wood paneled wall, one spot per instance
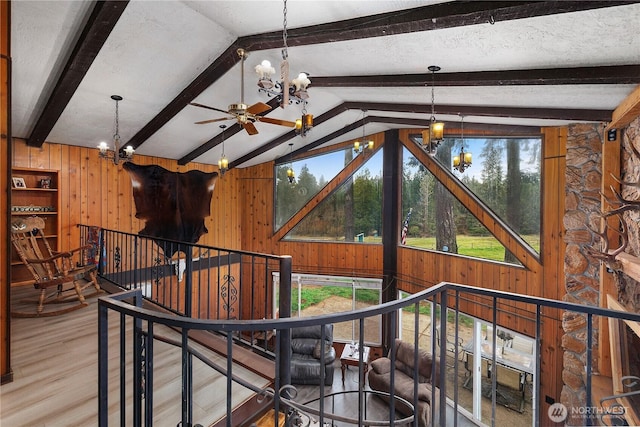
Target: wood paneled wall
(5, 191)
(94, 191)
(97, 192)
(541, 275)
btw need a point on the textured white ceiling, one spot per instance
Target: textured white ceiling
(158, 47)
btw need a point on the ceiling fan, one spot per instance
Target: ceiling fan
(245, 115)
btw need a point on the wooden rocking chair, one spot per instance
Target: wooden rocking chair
(51, 269)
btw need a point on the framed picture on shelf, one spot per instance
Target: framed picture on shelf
(18, 182)
(45, 183)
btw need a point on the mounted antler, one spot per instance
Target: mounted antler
(624, 204)
(607, 255)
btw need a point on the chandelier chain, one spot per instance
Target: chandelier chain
(433, 100)
(116, 136)
(285, 53)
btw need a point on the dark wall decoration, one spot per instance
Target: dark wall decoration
(172, 204)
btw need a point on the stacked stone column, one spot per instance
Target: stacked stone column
(583, 175)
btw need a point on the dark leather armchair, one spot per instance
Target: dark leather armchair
(306, 351)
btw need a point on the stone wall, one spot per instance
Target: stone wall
(628, 288)
(582, 216)
(583, 175)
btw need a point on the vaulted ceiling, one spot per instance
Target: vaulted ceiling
(505, 65)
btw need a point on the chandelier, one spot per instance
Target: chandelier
(434, 136)
(463, 160)
(286, 90)
(116, 154)
(223, 162)
(360, 145)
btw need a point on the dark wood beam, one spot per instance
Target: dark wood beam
(506, 130)
(544, 113)
(617, 74)
(433, 17)
(478, 110)
(103, 18)
(426, 18)
(213, 72)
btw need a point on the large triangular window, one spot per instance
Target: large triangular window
(439, 221)
(351, 213)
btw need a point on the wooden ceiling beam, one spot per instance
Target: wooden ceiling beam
(213, 72)
(432, 17)
(103, 18)
(485, 111)
(627, 111)
(618, 74)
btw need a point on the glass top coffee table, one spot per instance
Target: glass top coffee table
(351, 357)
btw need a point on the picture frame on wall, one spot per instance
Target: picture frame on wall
(18, 182)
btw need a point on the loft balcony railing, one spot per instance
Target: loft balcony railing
(230, 294)
(137, 408)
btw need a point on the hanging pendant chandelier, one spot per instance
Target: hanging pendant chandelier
(463, 160)
(116, 154)
(434, 136)
(291, 176)
(223, 162)
(286, 90)
(360, 145)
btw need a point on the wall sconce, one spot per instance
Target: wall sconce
(435, 134)
(304, 124)
(463, 160)
(116, 154)
(223, 162)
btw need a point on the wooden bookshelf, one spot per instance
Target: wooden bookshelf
(34, 192)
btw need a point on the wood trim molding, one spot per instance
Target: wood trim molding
(626, 112)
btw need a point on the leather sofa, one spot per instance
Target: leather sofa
(380, 380)
(306, 348)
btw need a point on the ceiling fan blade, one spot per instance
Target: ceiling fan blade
(213, 120)
(276, 121)
(250, 128)
(195, 104)
(257, 108)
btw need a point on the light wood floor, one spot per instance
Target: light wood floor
(55, 369)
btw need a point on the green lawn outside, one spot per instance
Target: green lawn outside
(486, 247)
